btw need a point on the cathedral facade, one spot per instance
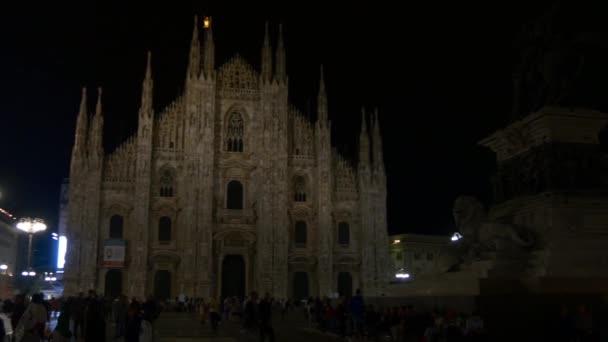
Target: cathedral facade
(227, 190)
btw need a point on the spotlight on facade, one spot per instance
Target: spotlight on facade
(456, 236)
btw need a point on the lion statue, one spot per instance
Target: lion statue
(483, 235)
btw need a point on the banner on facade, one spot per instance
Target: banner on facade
(114, 253)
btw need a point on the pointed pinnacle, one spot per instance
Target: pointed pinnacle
(149, 66)
(322, 81)
(195, 30)
(280, 44)
(363, 121)
(266, 35)
(83, 101)
(98, 107)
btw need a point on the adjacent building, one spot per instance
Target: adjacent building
(227, 190)
(415, 255)
(8, 253)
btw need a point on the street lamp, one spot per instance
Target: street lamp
(455, 237)
(31, 227)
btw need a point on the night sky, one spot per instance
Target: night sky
(439, 74)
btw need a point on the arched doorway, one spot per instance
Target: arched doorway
(162, 285)
(345, 284)
(113, 286)
(233, 276)
(300, 285)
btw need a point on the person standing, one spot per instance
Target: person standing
(357, 308)
(214, 314)
(5, 321)
(265, 313)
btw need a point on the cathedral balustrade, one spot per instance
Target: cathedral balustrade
(122, 185)
(238, 216)
(164, 245)
(301, 160)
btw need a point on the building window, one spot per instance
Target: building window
(234, 195)
(300, 189)
(166, 183)
(429, 256)
(234, 133)
(164, 229)
(343, 233)
(300, 234)
(116, 225)
(417, 256)
(399, 256)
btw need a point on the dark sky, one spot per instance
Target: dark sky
(439, 73)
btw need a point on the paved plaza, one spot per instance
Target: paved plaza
(185, 327)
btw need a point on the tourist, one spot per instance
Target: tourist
(33, 321)
(583, 323)
(202, 311)
(357, 307)
(474, 327)
(94, 319)
(6, 328)
(265, 315)
(133, 325)
(62, 331)
(214, 314)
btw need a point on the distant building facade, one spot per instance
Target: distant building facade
(227, 190)
(416, 254)
(8, 253)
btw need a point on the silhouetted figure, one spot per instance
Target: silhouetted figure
(265, 313)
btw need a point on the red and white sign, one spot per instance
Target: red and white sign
(114, 253)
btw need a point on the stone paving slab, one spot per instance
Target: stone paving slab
(193, 339)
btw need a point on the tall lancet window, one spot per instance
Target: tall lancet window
(166, 183)
(234, 132)
(299, 189)
(301, 234)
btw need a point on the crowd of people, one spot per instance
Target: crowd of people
(84, 318)
(81, 317)
(351, 318)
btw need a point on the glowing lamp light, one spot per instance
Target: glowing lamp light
(402, 275)
(31, 226)
(207, 22)
(47, 278)
(31, 273)
(53, 278)
(397, 241)
(4, 267)
(456, 236)
(24, 273)
(61, 249)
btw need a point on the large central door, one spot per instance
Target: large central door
(113, 286)
(162, 285)
(345, 284)
(300, 285)
(233, 276)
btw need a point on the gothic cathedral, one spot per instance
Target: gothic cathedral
(227, 190)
